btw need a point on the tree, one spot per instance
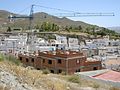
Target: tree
(9, 29)
(101, 32)
(70, 27)
(79, 27)
(54, 27)
(44, 26)
(47, 26)
(87, 30)
(93, 30)
(67, 28)
(37, 27)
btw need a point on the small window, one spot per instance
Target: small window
(32, 60)
(38, 68)
(95, 68)
(59, 61)
(59, 71)
(52, 71)
(20, 58)
(26, 59)
(78, 70)
(43, 60)
(62, 41)
(57, 45)
(49, 61)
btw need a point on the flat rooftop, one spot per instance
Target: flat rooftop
(105, 74)
(92, 73)
(62, 52)
(109, 75)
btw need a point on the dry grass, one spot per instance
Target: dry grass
(33, 77)
(2, 87)
(37, 79)
(114, 88)
(50, 85)
(72, 33)
(74, 79)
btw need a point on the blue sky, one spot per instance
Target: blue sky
(91, 6)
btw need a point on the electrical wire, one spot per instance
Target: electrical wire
(28, 7)
(78, 14)
(71, 13)
(56, 9)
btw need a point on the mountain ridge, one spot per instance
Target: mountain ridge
(39, 18)
(44, 22)
(115, 28)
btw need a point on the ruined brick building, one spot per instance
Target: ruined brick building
(60, 61)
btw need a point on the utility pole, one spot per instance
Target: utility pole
(30, 17)
(13, 47)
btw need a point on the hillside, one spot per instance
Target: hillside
(45, 22)
(117, 29)
(4, 21)
(43, 17)
(3, 17)
(14, 77)
(39, 18)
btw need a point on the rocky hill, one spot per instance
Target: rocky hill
(39, 18)
(43, 17)
(45, 22)
(3, 17)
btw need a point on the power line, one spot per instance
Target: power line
(56, 9)
(28, 7)
(81, 14)
(76, 13)
(71, 13)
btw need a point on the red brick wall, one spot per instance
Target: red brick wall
(62, 64)
(49, 65)
(89, 66)
(37, 63)
(70, 66)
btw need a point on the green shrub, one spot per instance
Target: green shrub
(96, 86)
(10, 58)
(45, 71)
(13, 59)
(74, 79)
(1, 57)
(63, 73)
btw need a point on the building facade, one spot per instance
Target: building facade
(60, 61)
